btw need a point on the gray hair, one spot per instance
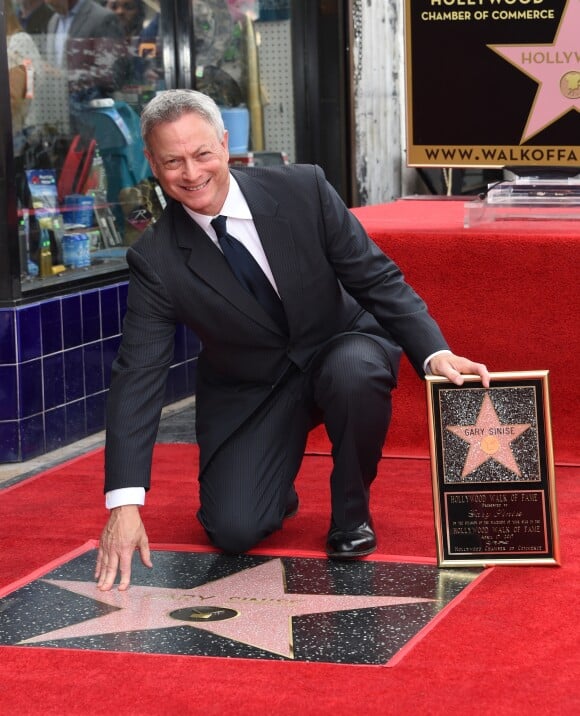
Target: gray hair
(169, 105)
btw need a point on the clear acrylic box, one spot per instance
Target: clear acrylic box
(531, 200)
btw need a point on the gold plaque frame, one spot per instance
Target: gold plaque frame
(492, 468)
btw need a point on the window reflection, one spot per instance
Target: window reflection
(243, 60)
(81, 70)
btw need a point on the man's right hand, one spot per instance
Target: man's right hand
(122, 535)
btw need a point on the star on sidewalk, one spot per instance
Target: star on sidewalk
(251, 606)
(489, 439)
(555, 67)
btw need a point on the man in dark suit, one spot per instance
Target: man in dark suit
(85, 41)
(327, 349)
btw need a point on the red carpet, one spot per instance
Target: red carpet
(510, 647)
(505, 295)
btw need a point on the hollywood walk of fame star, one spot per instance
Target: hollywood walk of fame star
(251, 606)
(555, 67)
(489, 439)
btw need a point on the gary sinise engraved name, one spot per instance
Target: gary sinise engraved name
(501, 430)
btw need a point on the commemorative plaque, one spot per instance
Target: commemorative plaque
(492, 470)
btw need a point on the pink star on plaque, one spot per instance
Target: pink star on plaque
(555, 67)
(251, 606)
(489, 439)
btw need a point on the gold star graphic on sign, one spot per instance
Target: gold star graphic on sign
(489, 439)
(251, 606)
(555, 67)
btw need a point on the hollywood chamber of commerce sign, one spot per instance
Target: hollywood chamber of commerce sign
(493, 82)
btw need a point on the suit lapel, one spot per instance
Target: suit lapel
(208, 263)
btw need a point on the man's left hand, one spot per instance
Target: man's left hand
(455, 367)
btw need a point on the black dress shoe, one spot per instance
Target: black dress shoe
(348, 544)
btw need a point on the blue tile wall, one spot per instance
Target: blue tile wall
(71, 321)
(54, 429)
(8, 392)
(51, 327)
(75, 421)
(93, 368)
(55, 369)
(7, 338)
(91, 317)
(29, 340)
(53, 380)
(74, 375)
(30, 388)
(10, 441)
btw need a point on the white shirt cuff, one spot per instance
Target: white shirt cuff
(125, 496)
(426, 367)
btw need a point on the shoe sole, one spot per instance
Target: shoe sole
(350, 555)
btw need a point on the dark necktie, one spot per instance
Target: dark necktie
(248, 272)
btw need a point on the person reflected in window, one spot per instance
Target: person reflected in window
(131, 14)
(150, 52)
(86, 43)
(24, 71)
(141, 48)
(34, 16)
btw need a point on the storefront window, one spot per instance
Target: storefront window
(80, 73)
(243, 59)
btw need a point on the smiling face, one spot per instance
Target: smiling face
(190, 162)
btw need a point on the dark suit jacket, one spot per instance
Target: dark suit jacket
(91, 20)
(37, 22)
(331, 277)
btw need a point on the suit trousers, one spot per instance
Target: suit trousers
(248, 483)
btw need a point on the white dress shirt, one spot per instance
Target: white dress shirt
(240, 225)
